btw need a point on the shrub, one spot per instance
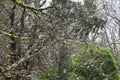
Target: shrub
(95, 63)
(87, 62)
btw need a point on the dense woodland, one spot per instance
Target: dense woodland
(59, 40)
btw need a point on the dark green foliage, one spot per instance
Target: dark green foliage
(89, 63)
(95, 63)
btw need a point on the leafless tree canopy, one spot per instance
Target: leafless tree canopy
(57, 40)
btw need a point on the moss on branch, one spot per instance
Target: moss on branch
(22, 4)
